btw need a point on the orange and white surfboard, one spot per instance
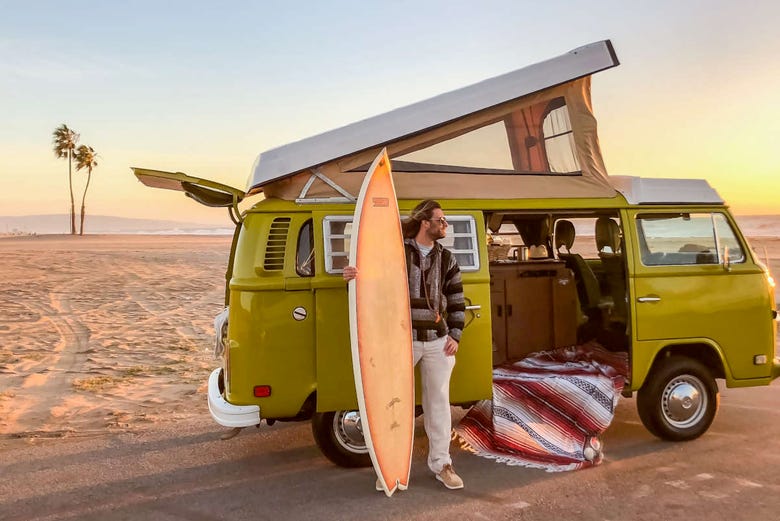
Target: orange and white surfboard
(381, 328)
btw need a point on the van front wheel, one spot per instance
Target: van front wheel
(339, 435)
(679, 399)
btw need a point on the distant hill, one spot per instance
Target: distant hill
(751, 225)
(48, 224)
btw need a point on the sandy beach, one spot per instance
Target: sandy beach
(114, 333)
(106, 332)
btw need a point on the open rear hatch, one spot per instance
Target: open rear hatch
(208, 193)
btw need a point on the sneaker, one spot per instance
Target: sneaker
(451, 480)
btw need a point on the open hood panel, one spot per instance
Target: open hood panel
(208, 193)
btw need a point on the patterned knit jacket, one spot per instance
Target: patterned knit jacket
(438, 306)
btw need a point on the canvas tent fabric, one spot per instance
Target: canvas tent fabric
(545, 142)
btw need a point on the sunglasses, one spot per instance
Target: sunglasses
(441, 220)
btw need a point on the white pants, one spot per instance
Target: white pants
(435, 371)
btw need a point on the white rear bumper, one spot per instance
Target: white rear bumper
(225, 413)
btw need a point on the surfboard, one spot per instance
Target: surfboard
(381, 328)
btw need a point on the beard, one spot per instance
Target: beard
(438, 233)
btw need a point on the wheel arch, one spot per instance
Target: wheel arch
(704, 351)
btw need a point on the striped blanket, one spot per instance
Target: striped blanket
(548, 409)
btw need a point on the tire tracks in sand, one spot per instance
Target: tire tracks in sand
(31, 413)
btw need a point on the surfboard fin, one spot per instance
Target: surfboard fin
(390, 490)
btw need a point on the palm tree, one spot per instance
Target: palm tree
(85, 158)
(64, 143)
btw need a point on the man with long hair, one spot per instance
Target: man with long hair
(438, 314)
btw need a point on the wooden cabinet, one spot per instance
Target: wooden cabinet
(534, 308)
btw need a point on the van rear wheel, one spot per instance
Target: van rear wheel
(339, 435)
(679, 399)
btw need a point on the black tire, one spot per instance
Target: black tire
(339, 436)
(679, 399)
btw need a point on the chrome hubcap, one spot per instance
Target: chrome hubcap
(684, 401)
(349, 431)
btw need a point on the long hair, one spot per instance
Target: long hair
(421, 212)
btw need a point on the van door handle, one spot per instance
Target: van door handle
(648, 299)
(472, 308)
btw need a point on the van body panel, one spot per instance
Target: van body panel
(271, 327)
(282, 207)
(728, 307)
(269, 347)
(335, 380)
(752, 382)
(645, 353)
(472, 377)
(702, 305)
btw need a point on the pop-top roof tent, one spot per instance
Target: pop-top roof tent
(528, 133)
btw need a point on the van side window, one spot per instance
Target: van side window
(461, 240)
(728, 239)
(337, 230)
(673, 239)
(304, 255)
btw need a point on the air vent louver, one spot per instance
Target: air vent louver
(276, 245)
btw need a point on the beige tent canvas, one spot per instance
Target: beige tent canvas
(528, 133)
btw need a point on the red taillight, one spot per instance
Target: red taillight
(262, 391)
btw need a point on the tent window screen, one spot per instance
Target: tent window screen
(559, 140)
(534, 139)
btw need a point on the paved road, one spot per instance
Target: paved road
(185, 472)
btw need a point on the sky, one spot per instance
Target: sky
(204, 88)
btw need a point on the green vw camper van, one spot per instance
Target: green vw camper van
(553, 251)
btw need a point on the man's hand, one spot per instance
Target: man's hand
(350, 272)
(451, 346)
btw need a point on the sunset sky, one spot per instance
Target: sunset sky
(193, 87)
